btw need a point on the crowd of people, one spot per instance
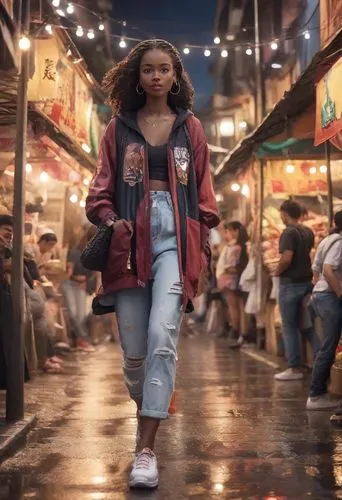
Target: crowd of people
(47, 338)
(308, 282)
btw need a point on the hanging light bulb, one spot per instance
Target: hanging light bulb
(101, 27)
(60, 12)
(44, 177)
(224, 53)
(86, 148)
(217, 40)
(290, 169)
(86, 181)
(312, 170)
(91, 34)
(249, 51)
(28, 168)
(73, 198)
(48, 29)
(235, 187)
(274, 45)
(79, 31)
(56, 3)
(70, 8)
(186, 50)
(207, 53)
(24, 43)
(323, 169)
(122, 43)
(307, 35)
(82, 203)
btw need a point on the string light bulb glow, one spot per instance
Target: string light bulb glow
(86, 148)
(44, 177)
(101, 27)
(79, 31)
(70, 8)
(290, 169)
(91, 34)
(28, 168)
(313, 170)
(73, 198)
(323, 169)
(86, 182)
(207, 53)
(217, 40)
(274, 45)
(60, 12)
(307, 35)
(48, 29)
(82, 203)
(249, 51)
(56, 3)
(186, 50)
(224, 53)
(24, 43)
(122, 44)
(235, 187)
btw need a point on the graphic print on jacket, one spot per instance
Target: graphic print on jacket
(120, 189)
(182, 162)
(133, 167)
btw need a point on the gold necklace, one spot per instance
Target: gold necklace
(155, 122)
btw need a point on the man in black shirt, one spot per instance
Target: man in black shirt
(295, 272)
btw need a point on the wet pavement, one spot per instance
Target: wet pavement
(236, 434)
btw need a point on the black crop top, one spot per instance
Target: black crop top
(157, 163)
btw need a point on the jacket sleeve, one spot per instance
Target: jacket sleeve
(100, 200)
(208, 211)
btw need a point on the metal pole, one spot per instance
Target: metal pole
(259, 259)
(258, 71)
(15, 372)
(329, 182)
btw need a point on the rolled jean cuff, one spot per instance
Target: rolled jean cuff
(154, 414)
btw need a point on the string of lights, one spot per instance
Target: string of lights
(66, 10)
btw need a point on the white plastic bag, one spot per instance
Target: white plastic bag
(248, 277)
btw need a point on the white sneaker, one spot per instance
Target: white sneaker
(322, 403)
(145, 471)
(288, 375)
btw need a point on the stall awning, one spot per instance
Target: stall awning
(299, 98)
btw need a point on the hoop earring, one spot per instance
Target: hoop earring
(178, 87)
(139, 90)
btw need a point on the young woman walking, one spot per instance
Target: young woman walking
(153, 187)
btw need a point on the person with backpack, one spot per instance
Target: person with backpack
(295, 273)
(231, 263)
(327, 303)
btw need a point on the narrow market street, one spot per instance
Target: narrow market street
(236, 434)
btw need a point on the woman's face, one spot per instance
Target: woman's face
(231, 234)
(157, 74)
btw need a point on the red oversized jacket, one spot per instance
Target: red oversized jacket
(120, 188)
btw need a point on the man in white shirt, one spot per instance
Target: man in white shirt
(327, 302)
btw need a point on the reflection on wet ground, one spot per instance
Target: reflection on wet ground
(237, 434)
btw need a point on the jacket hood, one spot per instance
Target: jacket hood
(130, 119)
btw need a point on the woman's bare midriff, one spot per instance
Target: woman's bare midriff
(159, 186)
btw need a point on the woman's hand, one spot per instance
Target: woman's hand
(121, 222)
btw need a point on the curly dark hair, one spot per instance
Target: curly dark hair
(121, 81)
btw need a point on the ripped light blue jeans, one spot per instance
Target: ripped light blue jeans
(149, 318)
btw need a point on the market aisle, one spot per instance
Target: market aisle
(236, 435)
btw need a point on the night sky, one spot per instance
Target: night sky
(180, 22)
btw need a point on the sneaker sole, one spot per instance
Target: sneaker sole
(141, 484)
(323, 408)
(288, 379)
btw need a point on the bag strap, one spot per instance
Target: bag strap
(329, 248)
